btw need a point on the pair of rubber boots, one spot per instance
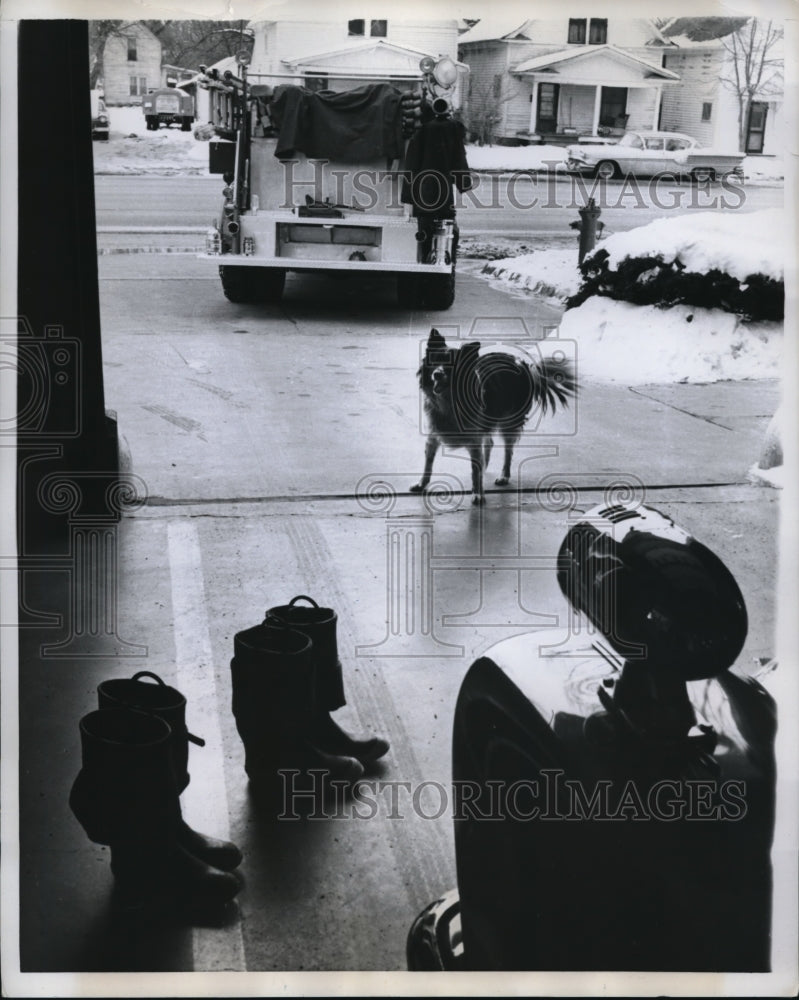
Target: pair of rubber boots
(135, 751)
(287, 679)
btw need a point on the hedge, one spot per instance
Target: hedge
(652, 281)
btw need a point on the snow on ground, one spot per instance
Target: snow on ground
(516, 157)
(732, 242)
(552, 273)
(131, 149)
(735, 243)
(633, 344)
(768, 477)
(172, 151)
(755, 168)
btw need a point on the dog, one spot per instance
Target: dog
(471, 394)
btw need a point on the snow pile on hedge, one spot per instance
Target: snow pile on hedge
(638, 344)
(552, 274)
(716, 260)
(737, 243)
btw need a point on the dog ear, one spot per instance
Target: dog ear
(435, 341)
(468, 352)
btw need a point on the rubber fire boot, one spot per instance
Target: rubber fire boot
(273, 700)
(319, 625)
(168, 703)
(125, 796)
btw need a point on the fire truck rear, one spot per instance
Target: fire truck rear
(356, 181)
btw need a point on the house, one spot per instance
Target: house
(131, 64)
(337, 47)
(560, 78)
(705, 105)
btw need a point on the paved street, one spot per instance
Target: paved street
(277, 445)
(499, 204)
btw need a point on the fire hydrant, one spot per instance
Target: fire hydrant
(588, 227)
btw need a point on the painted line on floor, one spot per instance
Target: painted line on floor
(214, 949)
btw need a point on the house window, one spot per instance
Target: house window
(131, 49)
(377, 29)
(138, 85)
(598, 31)
(576, 31)
(497, 85)
(707, 111)
(316, 83)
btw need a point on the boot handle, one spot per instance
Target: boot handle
(302, 597)
(148, 673)
(197, 740)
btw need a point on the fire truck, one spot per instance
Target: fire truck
(358, 180)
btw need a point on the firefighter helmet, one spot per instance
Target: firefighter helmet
(654, 592)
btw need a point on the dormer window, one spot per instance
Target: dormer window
(132, 56)
(377, 29)
(576, 31)
(598, 31)
(594, 31)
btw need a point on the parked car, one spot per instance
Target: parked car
(648, 153)
(99, 116)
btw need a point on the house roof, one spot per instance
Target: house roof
(316, 60)
(582, 52)
(491, 29)
(509, 26)
(323, 12)
(228, 63)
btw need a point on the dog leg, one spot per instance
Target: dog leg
(488, 444)
(476, 454)
(510, 441)
(429, 455)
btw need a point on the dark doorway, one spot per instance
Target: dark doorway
(756, 126)
(613, 107)
(547, 111)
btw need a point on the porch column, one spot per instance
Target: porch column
(658, 99)
(597, 106)
(533, 106)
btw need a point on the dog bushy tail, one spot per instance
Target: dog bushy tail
(554, 382)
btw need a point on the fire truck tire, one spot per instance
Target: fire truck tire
(269, 282)
(185, 125)
(237, 284)
(407, 290)
(439, 290)
(252, 284)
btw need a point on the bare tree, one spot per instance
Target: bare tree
(755, 70)
(183, 43)
(484, 109)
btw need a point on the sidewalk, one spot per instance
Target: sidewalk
(274, 448)
(339, 893)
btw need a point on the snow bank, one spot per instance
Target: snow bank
(763, 168)
(621, 342)
(552, 274)
(736, 243)
(516, 157)
(131, 149)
